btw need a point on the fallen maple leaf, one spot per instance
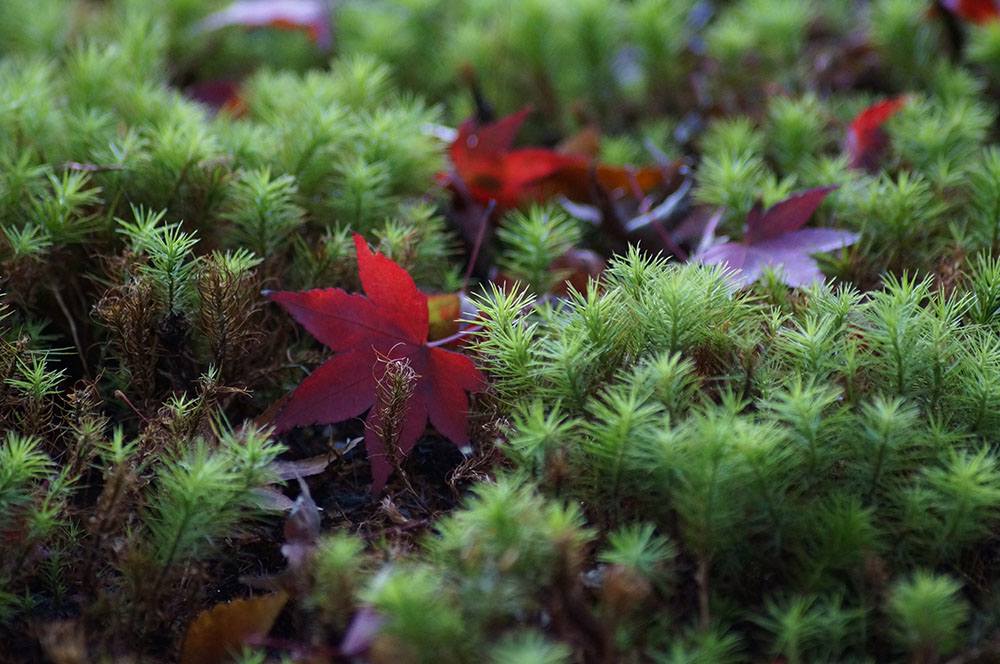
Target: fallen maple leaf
(391, 322)
(312, 16)
(776, 237)
(491, 171)
(976, 11)
(866, 140)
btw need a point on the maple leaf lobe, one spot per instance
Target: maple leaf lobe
(393, 291)
(784, 217)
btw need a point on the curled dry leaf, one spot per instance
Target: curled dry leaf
(271, 499)
(584, 143)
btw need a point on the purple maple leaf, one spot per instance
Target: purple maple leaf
(775, 237)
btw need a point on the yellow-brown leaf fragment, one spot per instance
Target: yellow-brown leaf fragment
(219, 632)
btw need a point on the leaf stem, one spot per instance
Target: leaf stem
(479, 242)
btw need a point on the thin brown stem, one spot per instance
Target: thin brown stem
(701, 577)
(72, 328)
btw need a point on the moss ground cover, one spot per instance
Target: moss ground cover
(669, 457)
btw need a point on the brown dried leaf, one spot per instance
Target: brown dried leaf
(226, 627)
(584, 143)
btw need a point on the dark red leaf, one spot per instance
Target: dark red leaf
(339, 389)
(487, 142)
(219, 95)
(866, 140)
(392, 290)
(976, 11)
(391, 322)
(787, 216)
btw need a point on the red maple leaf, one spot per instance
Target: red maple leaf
(866, 140)
(391, 322)
(492, 171)
(976, 11)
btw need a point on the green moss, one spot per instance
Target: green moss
(664, 467)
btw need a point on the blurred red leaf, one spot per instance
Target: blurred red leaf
(222, 630)
(976, 11)
(776, 237)
(492, 171)
(312, 16)
(866, 140)
(392, 321)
